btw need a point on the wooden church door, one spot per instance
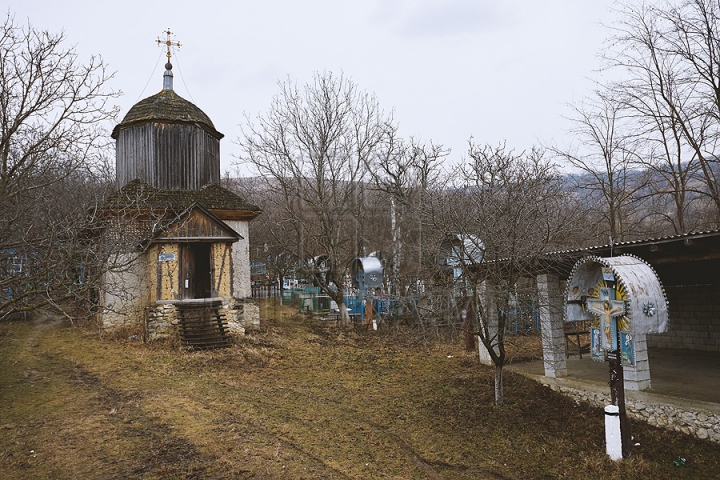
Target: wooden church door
(196, 270)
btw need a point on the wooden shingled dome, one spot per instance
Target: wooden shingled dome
(167, 142)
(166, 106)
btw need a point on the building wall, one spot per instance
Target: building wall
(163, 277)
(222, 269)
(241, 260)
(694, 319)
(167, 155)
(125, 291)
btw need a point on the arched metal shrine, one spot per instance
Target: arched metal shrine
(622, 297)
(366, 272)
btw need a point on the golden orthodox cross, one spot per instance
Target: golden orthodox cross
(168, 43)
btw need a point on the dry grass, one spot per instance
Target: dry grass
(294, 399)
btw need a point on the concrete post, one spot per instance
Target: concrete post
(551, 324)
(613, 440)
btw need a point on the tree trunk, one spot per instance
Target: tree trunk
(467, 313)
(344, 316)
(281, 284)
(498, 385)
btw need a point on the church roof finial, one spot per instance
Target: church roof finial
(168, 75)
(168, 43)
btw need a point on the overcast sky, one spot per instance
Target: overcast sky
(449, 69)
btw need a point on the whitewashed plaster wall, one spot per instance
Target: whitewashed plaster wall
(241, 260)
(125, 291)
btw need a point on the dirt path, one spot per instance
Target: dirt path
(75, 422)
(40, 324)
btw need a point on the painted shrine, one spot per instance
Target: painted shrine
(623, 300)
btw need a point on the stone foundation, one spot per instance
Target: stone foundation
(161, 319)
(235, 313)
(690, 420)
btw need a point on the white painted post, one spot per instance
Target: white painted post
(551, 325)
(613, 440)
(483, 353)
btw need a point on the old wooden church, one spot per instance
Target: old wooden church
(177, 241)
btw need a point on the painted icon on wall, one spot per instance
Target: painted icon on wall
(627, 349)
(596, 351)
(607, 274)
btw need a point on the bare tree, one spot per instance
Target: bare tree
(670, 52)
(405, 172)
(52, 147)
(271, 233)
(516, 206)
(607, 163)
(312, 148)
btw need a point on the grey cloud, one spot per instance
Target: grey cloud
(450, 18)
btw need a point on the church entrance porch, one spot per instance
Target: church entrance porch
(196, 270)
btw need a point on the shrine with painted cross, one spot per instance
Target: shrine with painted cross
(624, 301)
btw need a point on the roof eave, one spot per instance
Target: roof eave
(123, 126)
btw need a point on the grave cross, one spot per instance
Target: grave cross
(608, 310)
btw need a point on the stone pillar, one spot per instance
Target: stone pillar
(551, 324)
(241, 287)
(638, 377)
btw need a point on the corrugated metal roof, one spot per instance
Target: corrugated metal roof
(645, 241)
(662, 239)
